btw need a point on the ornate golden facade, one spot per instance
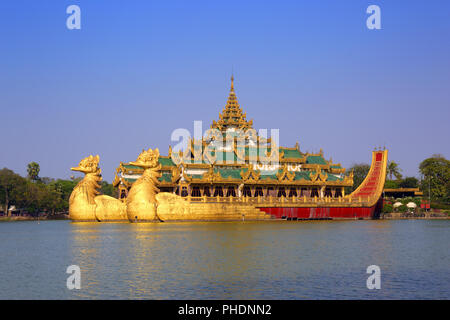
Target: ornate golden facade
(298, 174)
(246, 177)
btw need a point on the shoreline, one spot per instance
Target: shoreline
(66, 217)
(27, 218)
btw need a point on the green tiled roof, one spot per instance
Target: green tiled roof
(166, 162)
(166, 177)
(289, 153)
(316, 160)
(233, 173)
(129, 166)
(267, 176)
(270, 175)
(332, 177)
(302, 175)
(336, 166)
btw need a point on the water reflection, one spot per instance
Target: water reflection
(235, 260)
(243, 260)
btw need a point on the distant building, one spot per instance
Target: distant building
(402, 192)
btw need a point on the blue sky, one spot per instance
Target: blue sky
(137, 70)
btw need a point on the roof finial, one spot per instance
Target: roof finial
(232, 82)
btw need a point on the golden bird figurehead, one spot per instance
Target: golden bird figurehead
(147, 159)
(88, 165)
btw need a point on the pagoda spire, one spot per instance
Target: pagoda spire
(232, 115)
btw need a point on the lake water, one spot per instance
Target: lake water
(233, 260)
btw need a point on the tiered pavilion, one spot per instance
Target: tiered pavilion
(239, 167)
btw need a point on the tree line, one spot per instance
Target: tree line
(35, 195)
(434, 181)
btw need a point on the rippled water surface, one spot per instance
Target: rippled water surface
(234, 260)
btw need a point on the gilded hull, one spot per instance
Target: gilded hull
(141, 211)
(82, 212)
(105, 209)
(146, 204)
(175, 208)
(110, 209)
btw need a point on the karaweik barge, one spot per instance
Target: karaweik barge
(232, 173)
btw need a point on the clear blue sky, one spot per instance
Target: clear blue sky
(137, 70)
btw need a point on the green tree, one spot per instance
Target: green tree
(107, 189)
(436, 177)
(47, 196)
(387, 208)
(46, 180)
(30, 197)
(391, 184)
(53, 200)
(10, 182)
(394, 170)
(33, 171)
(67, 187)
(409, 182)
(360, 171)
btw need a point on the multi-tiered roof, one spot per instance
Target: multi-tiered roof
(294, 167)
(232, 116)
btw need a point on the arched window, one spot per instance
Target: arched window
(281, 192)
(292, 192)
(246, 192)
(258, 192)
(196, 192)
(206, 192)
(218, 192)
(303, 192)
(231, 192)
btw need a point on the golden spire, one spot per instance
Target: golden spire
(232, 115)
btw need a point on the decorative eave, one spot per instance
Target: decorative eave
(318, 175)
(301, 183)
(176, 174)
(186, 177)
(250, 175)
(325, 167)
(285, 175)
(337, 170)
(116, 181)
(349, 179)
(296, 160)
(196, 165)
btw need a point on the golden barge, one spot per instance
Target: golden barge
(233, 179)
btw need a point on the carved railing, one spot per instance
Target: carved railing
(283, 201)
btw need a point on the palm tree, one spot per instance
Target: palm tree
(33, 171)
(394, 170)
